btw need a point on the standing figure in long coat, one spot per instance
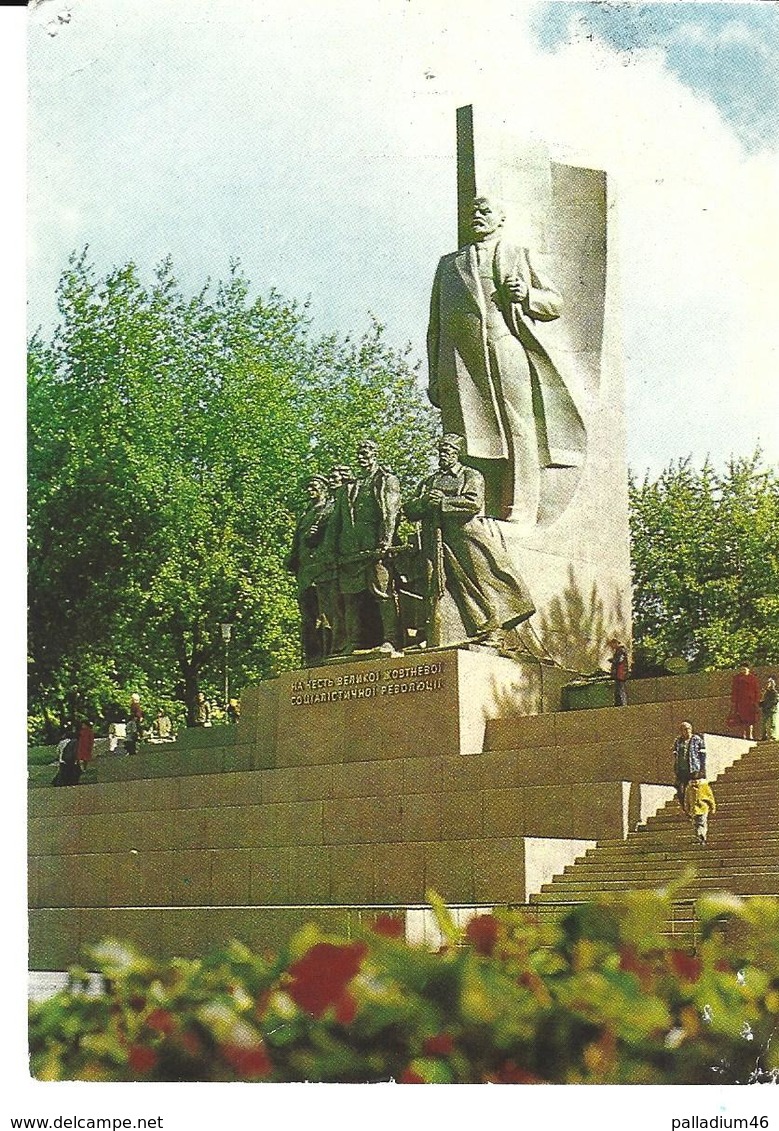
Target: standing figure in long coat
(474, 588)
(86, 744)
(365, 522)
(490, 373)
(304, 560)
(745, 701)
(331, 602)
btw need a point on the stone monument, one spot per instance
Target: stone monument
(473, 589)
(306, 561)
(491, 375)
(365, 521)
(525, 363)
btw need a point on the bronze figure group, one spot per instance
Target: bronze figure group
(360, 589)
(508, 412)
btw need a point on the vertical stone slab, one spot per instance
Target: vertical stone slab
(493, 160)
(258, 726)
(576, 561)
(491, 687)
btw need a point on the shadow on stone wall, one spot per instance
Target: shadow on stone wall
(521, 699)
(574, 627)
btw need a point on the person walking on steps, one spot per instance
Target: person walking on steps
(692, 790)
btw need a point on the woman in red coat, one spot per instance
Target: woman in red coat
(745, 701)
(86, 745)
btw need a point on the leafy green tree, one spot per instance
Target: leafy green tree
(705, 551)
(169, 439)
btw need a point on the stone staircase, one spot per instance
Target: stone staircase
(742, 855)
(231, 833)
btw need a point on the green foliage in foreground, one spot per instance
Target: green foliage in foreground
(599, 998)
(705, 555)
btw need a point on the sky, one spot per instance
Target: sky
(315, 143)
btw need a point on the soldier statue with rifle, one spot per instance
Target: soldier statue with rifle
(364, 525)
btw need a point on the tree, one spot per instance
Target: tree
(169, 438)
(705, 550)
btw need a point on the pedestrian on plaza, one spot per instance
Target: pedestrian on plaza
(769, 710)
(163, 727)
(134, 726)
(131, 735)
(692, 790)
(86, 744)
(233, 711)
(136, 711)
(744, 702)
(68, 768)
(619, 663)
(203, 710)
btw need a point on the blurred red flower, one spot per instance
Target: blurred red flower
(141, 1058)
(191, 1043)
(248, 1061)
(511, 1073)
(162, 1021)
(345, 1009)
(482, 933)
(686, 966)
(632, 963)
(389, 926)
(440, 1045)
(321, 976)
(409, 1076)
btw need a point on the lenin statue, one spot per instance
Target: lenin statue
(490, 373)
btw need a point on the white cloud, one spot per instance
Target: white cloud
(700, 231)
(317, 143)
(690, 33)
(736, 32)
(733, 32)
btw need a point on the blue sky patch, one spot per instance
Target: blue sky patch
(728, 52)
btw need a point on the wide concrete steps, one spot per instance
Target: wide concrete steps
(678, 843)
(215, 836)
(742, 884)
(742, 855)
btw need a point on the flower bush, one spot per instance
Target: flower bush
(598, 997)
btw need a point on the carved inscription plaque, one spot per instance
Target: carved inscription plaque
(352, 687)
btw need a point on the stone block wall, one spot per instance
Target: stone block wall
(184, 849)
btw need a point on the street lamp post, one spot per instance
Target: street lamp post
(227, 632)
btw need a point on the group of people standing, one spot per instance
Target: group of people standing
(352, 572)
(751, 707)
(74, 753)
(77, 748)
(339, 555)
